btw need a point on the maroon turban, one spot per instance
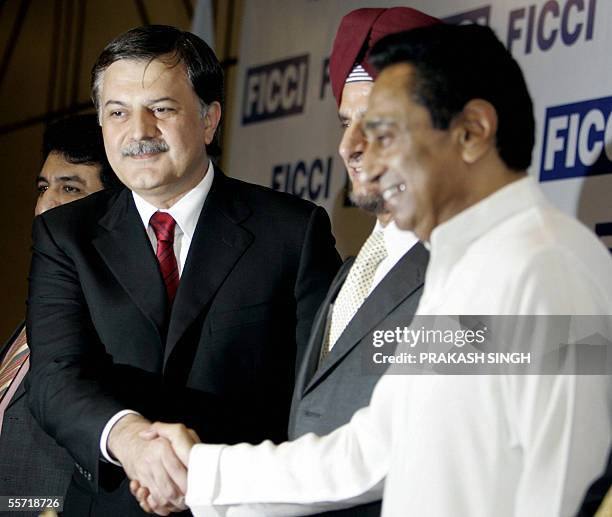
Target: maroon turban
(358, 32)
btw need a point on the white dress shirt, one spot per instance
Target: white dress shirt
(441, 445)
(397, 244)
(186, 212)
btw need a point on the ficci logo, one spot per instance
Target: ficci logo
(565, 21)
(577, 140)
(275, 90)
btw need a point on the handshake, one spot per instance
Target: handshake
(155, 458)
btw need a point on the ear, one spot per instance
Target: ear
(476, 129)
(211, 121)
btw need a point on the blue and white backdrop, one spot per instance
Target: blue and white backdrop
(285, 130)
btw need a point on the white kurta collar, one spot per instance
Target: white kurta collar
(468, 225)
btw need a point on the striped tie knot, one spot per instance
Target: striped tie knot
(163, 225)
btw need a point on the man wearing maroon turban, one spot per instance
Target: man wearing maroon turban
(389, 269)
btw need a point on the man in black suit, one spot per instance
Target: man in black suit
(31, 463)
(188, 296)
(331, 385)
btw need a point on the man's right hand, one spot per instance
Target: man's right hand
(181, 437)
(151, 462)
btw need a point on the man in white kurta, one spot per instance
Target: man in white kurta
(470, 445)
(448, 445)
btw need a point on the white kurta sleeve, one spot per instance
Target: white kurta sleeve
(562, 422)
(308, 475)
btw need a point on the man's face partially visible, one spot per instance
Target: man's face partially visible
(60, 182)
(154, 129)
(364, 194)
(414, 159)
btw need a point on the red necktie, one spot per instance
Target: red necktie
(163, 225)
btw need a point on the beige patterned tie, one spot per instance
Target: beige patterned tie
(16, 355)
(356, 287)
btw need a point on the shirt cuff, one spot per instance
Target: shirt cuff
(203, 475)
(106, 431)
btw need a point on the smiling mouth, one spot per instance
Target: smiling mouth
(393, 190)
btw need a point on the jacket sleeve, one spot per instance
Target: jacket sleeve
(66, 382)
(319, 262)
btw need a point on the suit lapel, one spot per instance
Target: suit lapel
(406, 277)
(218, 242)
(313, 351)
(126, 249)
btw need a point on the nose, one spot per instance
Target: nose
(47, 201)
(352, 144)
(143, 125)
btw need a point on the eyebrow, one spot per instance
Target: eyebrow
(161, 99)
(371, 125)
(62, 179)
(114, 102)
(148, 102)
(346, 116)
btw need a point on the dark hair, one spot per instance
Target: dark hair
(78, 139)
(149, 42)
(454, 64)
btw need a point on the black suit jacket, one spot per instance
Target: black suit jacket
(31, 463)
(597, 491)
(326, 397)
(221, 360)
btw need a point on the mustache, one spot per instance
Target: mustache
(144, 147)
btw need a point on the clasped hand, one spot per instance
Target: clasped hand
(155, 458)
